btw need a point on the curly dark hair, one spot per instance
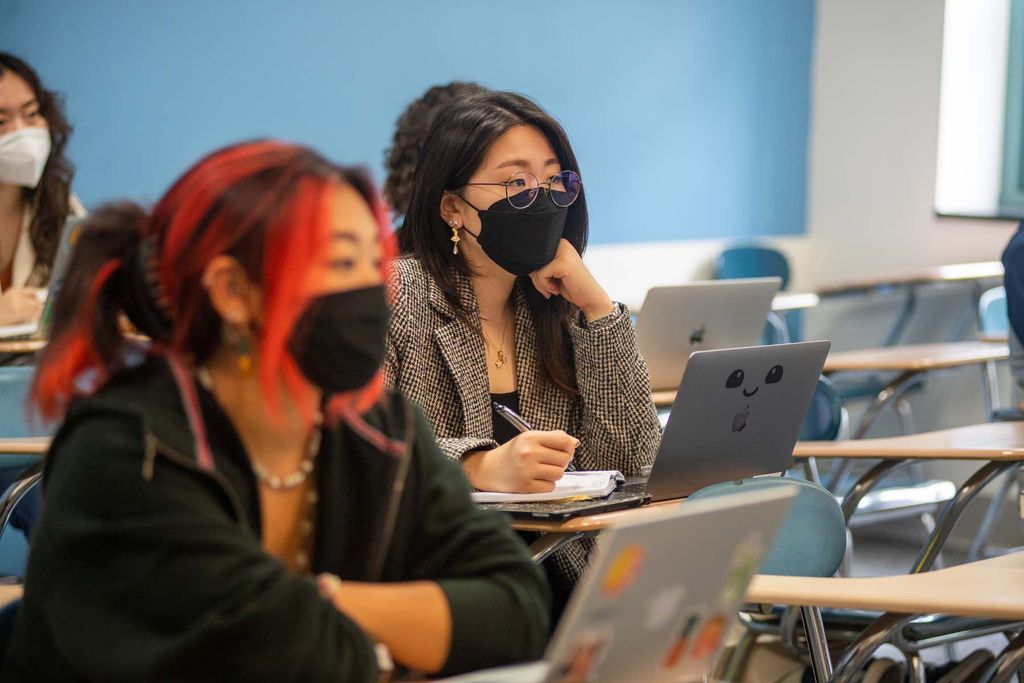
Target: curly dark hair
(51, 198)
(410, 132)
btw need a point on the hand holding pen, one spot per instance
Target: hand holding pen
(529, 463)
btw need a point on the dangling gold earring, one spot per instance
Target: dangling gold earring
(455, 237)
(241, 343)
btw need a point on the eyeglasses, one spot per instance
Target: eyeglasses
(523, 188)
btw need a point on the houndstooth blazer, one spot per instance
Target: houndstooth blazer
(439, 362)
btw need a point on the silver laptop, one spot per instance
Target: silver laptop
(37, 329)
(718, 314)
(650, 610)
(738, 413)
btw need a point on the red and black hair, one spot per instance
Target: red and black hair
(265, 203)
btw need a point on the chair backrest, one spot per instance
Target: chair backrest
(19, 506)
(15, 382)
(752, 261)
(826, 415)
(812, 539)
(992, 314)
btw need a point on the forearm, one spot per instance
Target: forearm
(618, 425)
(412, 619)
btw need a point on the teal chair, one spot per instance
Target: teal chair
(15, 382)
(810, 542)
(992, 316)
(754, 260)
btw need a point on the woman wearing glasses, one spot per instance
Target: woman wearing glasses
(493, 303)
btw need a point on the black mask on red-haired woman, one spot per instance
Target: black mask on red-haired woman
(338, 342)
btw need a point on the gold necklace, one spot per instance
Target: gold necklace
(499, 353)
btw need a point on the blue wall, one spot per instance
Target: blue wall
(689, 117)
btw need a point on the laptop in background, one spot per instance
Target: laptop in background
(717, 314)
(648, 609)
(37, 329)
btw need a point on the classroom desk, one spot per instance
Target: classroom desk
(35, 445)
(556, 534)
(909, 361)
(911, 280)
(912, 360)
(994, 337)
(21, 347)
(997, 446)
(9, 593)
(992, 588)
(794, 301)
(955, 272)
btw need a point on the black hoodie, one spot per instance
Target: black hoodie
(146, 566)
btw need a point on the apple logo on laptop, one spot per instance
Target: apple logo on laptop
(735, 380)
(697, 336)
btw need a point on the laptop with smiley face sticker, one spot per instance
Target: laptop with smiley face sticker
(737, 414)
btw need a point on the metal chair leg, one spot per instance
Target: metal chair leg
(906, 415)
(954, 509)
(543, 547)
(1009, 662)
(995, 505)
(875, 635)
(928, 526)
(817, 643)
(890, 393)
(738, 659)
(915, 668)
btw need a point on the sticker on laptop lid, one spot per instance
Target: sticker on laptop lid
(709, 637)
(623, 571)
(663, 607)
(586, 655)
(682, 640)
(746, 559)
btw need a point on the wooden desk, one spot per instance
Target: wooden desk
(916, 357)
(556, 534)
(956, 272)
(994, 337)
(793, 301)
(909, 360)
(594, 523)
(25, 446)
(9, 593)
(997, 446)
(992, 588)
(986, 588)
(991, 441)
(21, 346)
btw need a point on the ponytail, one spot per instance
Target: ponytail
(87, 345)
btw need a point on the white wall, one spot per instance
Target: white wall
(874, 132)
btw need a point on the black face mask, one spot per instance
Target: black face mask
(338, 342)
(522, 240)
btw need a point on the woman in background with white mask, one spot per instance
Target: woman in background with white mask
(35, 188)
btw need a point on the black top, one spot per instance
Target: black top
(1013, 279)
(146, 564)
(501, 428)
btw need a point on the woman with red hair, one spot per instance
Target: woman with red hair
(238, 499)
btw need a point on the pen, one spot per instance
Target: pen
(512, 417)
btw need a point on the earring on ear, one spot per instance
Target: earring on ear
(241, 344)
(455, 237)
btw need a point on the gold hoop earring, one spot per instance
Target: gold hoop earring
(455, 237)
